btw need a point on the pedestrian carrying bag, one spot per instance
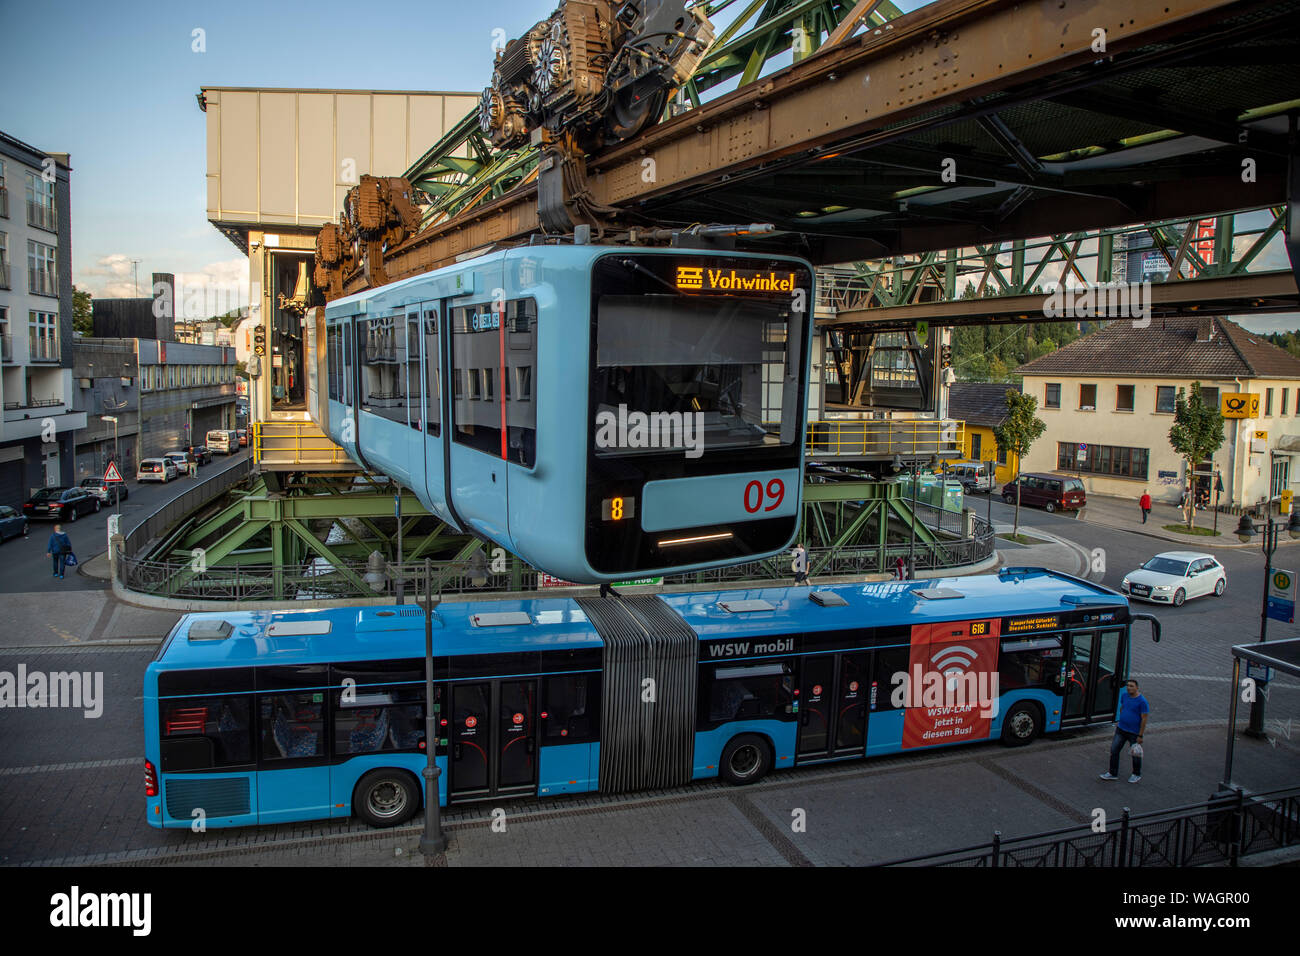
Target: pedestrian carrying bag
(1136, 750)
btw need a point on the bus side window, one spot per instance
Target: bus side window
(745, 693)
(886, 683)
(385, 718)
(292, 725)
(200, 733)
(571, 709)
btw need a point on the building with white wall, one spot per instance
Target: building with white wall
(1108, 401)
(36, 430)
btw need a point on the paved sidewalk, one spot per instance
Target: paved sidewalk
(1123, 514)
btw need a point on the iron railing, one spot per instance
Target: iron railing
(881, 438)
(1219, 831)
(176, 510)
(42, 216)
(184, 578)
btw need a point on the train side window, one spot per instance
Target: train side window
(414, 377)
(521, 359)
(433, 372)
(345, 386)
(476, 352)
(333, 359)
(381, 348)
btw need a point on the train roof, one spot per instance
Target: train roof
(524, 626)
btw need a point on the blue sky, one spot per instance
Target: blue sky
(114, 85)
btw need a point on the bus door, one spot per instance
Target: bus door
(833, 706)
(493, 739)
(1091, 672)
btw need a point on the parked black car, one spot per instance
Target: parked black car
(61, 504)
(12, 524)
(202, 454)
(108, 492)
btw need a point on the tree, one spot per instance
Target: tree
(1196, 435)
(1020, 429)
(81, 312)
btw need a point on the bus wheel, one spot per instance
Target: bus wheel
(1022, 725)
(745, 760)
(385, 798)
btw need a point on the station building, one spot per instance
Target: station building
(39, 420)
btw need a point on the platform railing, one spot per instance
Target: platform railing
(908, 438)
(1219, 831)
(294, 443)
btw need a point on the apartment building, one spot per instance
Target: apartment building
(38, 423)
(1108, 401)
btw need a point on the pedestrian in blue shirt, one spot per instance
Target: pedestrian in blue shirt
(58, 549)
(1129, 729)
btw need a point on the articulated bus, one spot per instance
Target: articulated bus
(604, 413)
(269, 717)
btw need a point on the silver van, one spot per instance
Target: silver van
(975, 476)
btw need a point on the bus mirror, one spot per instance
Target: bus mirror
(1155, 625)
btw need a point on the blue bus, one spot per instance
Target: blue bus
(603, 413)
(276, 716)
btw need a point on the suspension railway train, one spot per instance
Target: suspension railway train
(602, 412)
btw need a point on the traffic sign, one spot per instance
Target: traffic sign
(112, 474)
(1281, 595)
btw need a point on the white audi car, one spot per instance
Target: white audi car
(1174, 576)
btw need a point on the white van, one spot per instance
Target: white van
(975, 476)
(223, 441)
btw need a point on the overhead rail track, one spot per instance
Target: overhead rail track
(965, 122)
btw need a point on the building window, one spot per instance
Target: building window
(1053, 397)
(976, 440)
(1210, 397)
(1123, 398)
(1165, 399)
(4, 261)
(1002, 455)
(40, 203)
(1281, 476)
(4, 192)
(43, 336)
(1285, 393)
(1087, 397)
(1268, 402)
(1103, 460)
(42, 272)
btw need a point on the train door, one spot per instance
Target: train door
(493, 739)
(1091, 673)
(832, 706)
(478, 439)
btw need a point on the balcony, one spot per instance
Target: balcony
(43, 350)
(42, 216)
(33, 408)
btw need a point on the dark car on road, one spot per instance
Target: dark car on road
(108, 492)
(1050, 492)
(61, 504)
(202, 454)
(12, 524)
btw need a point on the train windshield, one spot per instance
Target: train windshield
(702, 353)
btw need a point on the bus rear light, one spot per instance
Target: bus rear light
(150, 780)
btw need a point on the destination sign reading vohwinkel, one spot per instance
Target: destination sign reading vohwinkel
(704, 279)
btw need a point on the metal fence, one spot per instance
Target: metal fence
(1219, 831)
(318, 581)
(179, 508)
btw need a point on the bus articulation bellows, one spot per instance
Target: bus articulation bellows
(269, 717)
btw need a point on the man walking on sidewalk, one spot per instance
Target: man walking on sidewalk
(1145, 505)
(1129, 728)
(799, 564)
(59, 547)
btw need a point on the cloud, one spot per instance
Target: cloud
(214, 289)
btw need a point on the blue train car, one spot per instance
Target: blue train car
(265, 717)
(604, 413)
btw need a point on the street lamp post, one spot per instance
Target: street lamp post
(117, 492)
(433, 841)
(1245, 531)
